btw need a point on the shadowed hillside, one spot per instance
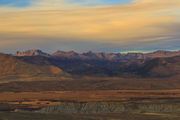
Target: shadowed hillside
(161, 67)
(156, 64)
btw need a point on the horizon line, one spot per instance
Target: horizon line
(121, 52)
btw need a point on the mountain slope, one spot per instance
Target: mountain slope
(11, 66)
(161, 67)
(162, 54)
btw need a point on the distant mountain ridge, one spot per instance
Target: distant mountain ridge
(161, 53)
(38, 63)
(99, 56)
(156, 64)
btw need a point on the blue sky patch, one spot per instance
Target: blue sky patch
(26, 3)
(15, 3)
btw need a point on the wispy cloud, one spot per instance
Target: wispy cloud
(141, 22)
(98, 2)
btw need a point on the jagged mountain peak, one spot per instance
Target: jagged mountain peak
(32, 52)
(163, 53)
(99, 55)
(63, 54)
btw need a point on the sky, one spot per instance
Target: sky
(89, 25)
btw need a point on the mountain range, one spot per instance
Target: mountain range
(99, 56)
(34, 62)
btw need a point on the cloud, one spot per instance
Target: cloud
(143, 21)
(98, 2)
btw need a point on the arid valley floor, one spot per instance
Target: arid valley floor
(93, 103)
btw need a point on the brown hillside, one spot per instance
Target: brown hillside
(11, 66)
(162, 67)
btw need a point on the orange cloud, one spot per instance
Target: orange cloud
(142, 20)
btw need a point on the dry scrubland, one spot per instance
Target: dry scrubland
(79, 83)
(88, 96)
(63, 116)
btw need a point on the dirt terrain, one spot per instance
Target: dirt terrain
(80, 96)
(89, 83)
(63, 116)
(89, 103)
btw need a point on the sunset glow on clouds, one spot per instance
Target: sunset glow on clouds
(82, 25)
